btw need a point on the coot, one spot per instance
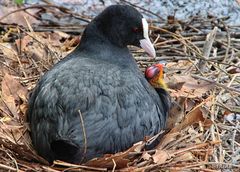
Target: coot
(96, 100)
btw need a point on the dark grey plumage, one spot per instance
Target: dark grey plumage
(100, 80)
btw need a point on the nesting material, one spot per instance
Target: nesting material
(203, 127)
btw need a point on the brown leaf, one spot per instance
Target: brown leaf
(185, 156)
(160, 156)
(190, 88)
(11, 132)
(146, 156)
(207, 123)
(121, 159)
(22, 43)
(192, 117)
(54, 39)
(189, 104)
(18, 17)
(176, 113)
(8, 105)
(12, 87)
(167, 139)
(8, 51)
(12, 92)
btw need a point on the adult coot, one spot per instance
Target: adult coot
(96, 100)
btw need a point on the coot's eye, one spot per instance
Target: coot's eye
(136, 29)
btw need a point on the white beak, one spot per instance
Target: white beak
(146, 43)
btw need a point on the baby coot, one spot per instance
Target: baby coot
(96, 100)
(154, 75)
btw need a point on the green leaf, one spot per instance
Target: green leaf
(19, 2)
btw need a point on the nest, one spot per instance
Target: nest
(201, 57)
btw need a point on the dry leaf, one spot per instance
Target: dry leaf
(189, 104)
(12, 87)
(146, 156)
(18, 17)
(8, 104)
(191, 87)
(12, 132)
(160, 156)
(12, 92)
(192, 117)
(121, 159)
(8, 51)
(168, 138)
(23, 43)
(185, 156)
(207, 123)
(176, 113)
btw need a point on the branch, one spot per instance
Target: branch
(216, 83)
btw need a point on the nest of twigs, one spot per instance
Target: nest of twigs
(203, 75)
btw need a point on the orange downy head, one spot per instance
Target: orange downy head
(154, 74)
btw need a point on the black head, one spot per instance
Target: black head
(123, 25)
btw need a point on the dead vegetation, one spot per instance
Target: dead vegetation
(203, 75)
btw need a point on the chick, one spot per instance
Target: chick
(154, 75)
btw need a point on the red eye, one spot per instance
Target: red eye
(136, 29)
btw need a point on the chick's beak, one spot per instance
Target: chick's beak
(146, 43)
(160, 81)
